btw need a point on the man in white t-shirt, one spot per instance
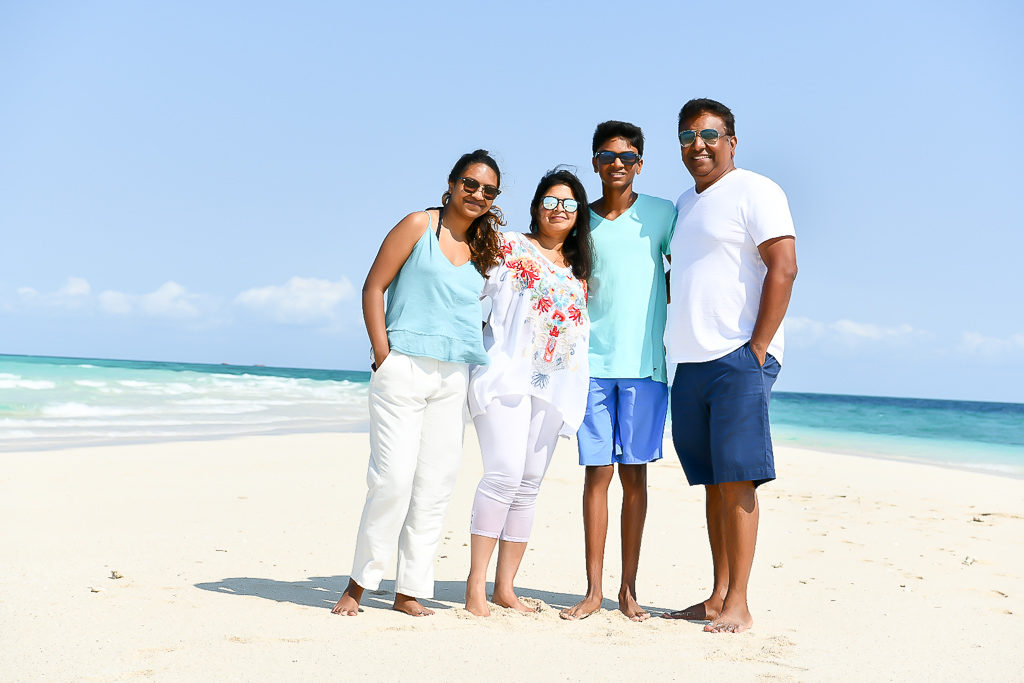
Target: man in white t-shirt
(733, 266)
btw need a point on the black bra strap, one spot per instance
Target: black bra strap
(439, 212)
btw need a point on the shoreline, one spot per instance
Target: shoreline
(233, 551)
(362, 429)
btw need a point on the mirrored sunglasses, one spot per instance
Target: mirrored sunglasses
(709, 135)
(551, 203)
(628, 158)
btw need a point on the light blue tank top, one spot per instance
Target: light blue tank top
(434, 307)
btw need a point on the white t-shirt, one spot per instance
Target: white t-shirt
(536, 335)
(717, 271)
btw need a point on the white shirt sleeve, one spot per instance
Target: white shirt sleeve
(767, 212)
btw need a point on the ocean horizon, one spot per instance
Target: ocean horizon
(51, 402)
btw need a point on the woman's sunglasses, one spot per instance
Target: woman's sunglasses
(708, 135)
(551, 203)
(628, 158)
(471, 185)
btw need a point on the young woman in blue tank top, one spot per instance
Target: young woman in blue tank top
(432, 267)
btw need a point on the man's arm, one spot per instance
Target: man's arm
(779, 255)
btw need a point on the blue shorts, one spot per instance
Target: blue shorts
(624, 422)
(720, 418)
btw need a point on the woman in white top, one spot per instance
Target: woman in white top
(535, 386)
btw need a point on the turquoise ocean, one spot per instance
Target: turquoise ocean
(63, 402)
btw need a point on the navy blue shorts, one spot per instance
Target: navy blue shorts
(720, 418)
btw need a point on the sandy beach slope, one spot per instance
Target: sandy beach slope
(232, 553)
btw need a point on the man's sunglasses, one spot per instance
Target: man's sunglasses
(628, 158)
(709, 135)
(551, 203)
(471, 185)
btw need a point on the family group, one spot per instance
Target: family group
(582, 315)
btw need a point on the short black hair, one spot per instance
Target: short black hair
(618, 129)
(703, 105)
(578, 249)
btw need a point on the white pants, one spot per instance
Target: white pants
(416, 430)
(517, 437)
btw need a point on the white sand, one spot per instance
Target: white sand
(232, 553)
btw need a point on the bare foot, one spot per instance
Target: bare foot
(629, 606)
(348, 605)
(476, 598)
(582, 609)
(702, 611)
(511, 600)
(409, 605)
(731, 620)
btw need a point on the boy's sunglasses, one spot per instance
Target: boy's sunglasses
(708, 135)
(551, 203)
(471, 185)
(628, 158)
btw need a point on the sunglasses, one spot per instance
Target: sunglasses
(471, 185)
(708, 135)
(551, 203)
(628, 158)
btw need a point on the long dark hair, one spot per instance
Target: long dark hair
(577, 249)
(482, 236)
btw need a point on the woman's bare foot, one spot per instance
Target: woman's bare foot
(732, 620)
(348, 605)
(411, 606)
(510, 600)
(629, 606)
(702, 611)
(583, 609)
(476, 598)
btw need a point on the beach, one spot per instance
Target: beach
(231, 552)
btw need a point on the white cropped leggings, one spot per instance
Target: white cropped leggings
(416, 430)
(517, 437)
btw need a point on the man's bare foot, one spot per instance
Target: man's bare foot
(702, 611)
(731, 620)
(582, 609)
(629, 606)
(409, 605)
(510, 600)
(476, 598)
(348, 605)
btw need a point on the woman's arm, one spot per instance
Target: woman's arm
(392, 256)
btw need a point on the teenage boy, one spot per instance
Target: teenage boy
(625, 417)
(731, 282)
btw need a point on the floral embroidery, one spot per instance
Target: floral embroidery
(558, 307)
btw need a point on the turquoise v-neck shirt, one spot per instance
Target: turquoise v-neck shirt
(627, 303)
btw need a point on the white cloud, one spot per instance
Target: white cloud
(299, 301)
(170, 300)
(806, 331)
(73, 295)
(976, 344)
(117, 303)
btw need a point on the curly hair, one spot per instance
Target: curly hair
(483, 236)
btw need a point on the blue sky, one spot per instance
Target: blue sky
(209, 182)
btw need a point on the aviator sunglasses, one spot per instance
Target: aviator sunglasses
(708, 135)
(628, 158)
(551, 203)
(471, 185)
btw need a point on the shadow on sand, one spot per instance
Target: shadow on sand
(324, 591)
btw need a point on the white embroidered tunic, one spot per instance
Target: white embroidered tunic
(536, 336)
